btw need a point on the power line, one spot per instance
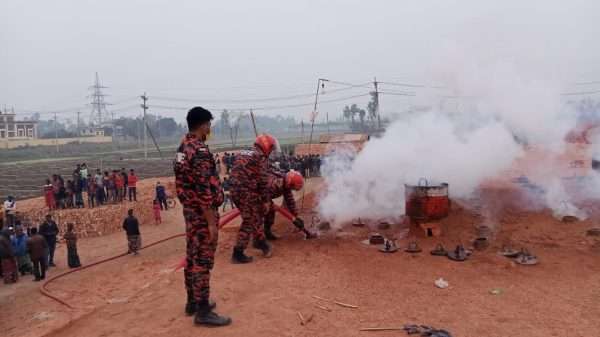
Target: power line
(250, 100)
(264, 108)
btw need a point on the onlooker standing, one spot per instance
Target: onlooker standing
(7, 259)
(71, 240)
(132, 183)
(125, 183)
(108, 186)
(100, 195)
(37, 247)
(83, 172)
(10, 210)
(156, 210)
(132, 228)
(91, 190)
(161, 196)
(227, 193)
(49, 230)
(49, 195)
(119, 184)
(19, 244)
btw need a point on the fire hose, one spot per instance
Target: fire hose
(225, 219)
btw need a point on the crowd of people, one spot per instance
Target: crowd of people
(308, 165)
(30, 250)
(110, 186)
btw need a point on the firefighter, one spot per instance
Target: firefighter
(199, 191)
(282, 184)
(248, 181)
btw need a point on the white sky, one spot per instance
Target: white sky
(203, 50)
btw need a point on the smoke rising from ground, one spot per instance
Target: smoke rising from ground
(503, 95)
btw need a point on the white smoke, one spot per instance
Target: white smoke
(505, 97)
(430, 146)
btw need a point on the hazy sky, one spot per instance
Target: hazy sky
(235, 50)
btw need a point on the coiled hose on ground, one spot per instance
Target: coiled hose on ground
(225, 219)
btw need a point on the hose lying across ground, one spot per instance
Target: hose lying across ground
(226, 218)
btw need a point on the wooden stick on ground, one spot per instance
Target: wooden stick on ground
(336, 302)
(322, 307)
(381, 329)
(310, 318)
(302, 321)
(345, 305)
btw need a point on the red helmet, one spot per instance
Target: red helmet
(294, 180)
(266, 143)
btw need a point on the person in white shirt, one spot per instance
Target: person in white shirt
(10, 210)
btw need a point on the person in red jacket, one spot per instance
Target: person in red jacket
(132, 180)
(249, 191)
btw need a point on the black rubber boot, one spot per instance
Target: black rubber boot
(269, 234)
(191, 307)
(206, 317)
(265, 247)
(239, 257)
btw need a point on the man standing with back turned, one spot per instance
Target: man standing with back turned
(199, 191)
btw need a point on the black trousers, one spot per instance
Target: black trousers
(51, 249)
(163, 201)
(133, 192)
(39, 268)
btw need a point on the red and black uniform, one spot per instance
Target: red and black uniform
(198, 187)
(249, 191)
(277, 188)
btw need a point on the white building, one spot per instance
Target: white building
(13, 129)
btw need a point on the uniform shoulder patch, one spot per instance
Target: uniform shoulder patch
(179, 157)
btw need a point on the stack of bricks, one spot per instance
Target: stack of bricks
(106, 219)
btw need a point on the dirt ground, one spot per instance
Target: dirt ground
(143, 295)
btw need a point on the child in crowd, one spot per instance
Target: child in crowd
(156, 209)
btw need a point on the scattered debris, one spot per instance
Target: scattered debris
(412, 329)
(383, 226)
(496, 291)
(439, 250)
(324, 226)
(323, 307)
(341, 304)
(458, 254)
(389, 247)
(441, 283)
(593, 232)
(481, 243)
(413, 247)
(358, 223)
(42, 316)
(508, 251)
(526, 258)
(302, 321)
(374, 239)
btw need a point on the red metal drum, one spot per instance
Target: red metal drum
(426, 203)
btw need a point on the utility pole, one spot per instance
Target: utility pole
(145, 107)
(320, 84)
(253, 122)
(55, 132)
(78, 132)
(376, 101)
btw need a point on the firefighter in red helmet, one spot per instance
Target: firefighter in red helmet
(281, 185)
(249, 191)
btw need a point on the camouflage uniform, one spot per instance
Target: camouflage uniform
(198, 186)
(249, 192)
(277, 188)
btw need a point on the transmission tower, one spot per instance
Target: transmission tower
(98, 116)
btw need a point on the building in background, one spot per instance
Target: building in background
(13, 129)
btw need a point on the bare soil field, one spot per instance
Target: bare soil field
(489, 295)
